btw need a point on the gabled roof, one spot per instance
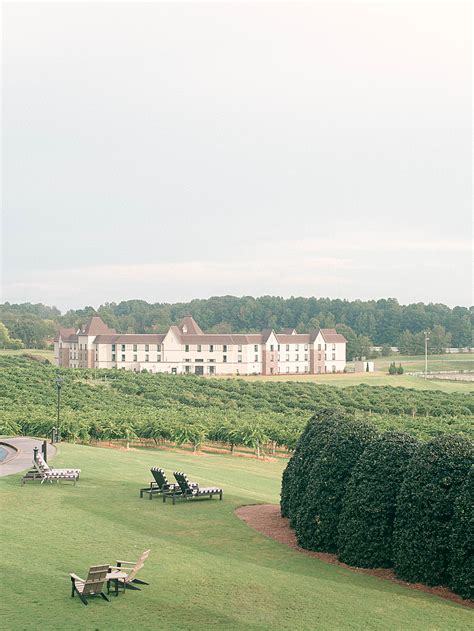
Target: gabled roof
(64, 334)
(96, 326)
(266, 333)
(189, 326)
(332, 337)
(287, 332)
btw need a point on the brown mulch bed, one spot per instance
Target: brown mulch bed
(266, 519)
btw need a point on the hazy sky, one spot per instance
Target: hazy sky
(171, 151)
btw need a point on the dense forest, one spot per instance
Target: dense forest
(381, 322)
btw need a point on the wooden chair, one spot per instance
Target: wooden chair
(124, 573)
(159, 485)
(92, 586)
(191, 490)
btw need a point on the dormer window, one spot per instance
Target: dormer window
(185, 328)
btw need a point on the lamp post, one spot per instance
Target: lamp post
(59, 383)
(427, 337)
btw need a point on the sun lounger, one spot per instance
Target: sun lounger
(191, 490)
(54, 475)
(159, 485)
(92, 586)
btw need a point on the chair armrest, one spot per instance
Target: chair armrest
(75, 577)
(117, 567)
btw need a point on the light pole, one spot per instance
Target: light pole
(427, 337)
(59, 383)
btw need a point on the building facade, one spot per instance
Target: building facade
(187, 349)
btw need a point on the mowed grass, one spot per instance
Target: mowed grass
(206, 569)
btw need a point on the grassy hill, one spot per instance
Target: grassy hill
(206, 568)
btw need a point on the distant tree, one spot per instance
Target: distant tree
(439, 339)
(399, 369)
(392, 369)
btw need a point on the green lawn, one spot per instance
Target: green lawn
(206, 569)
(415, 363)
(45, 353)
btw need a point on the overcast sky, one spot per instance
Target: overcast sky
(173, 151)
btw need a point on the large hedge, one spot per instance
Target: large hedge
(295, 476)
(368, 509)
(425, 506)
(320, 507)
(461, 566)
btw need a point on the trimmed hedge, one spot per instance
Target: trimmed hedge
(368, 508)
(425, 507)
(318, 515)
(461, 566)
(295, 476)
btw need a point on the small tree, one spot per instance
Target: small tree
(425, 506)
(400, 369)
(368, 510)
(392, 369)
(318, 516)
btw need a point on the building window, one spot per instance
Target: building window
(211, 361)
(158, 359)
(199, 359)
(255, 348)
(306, 368)
(158, 348)
(186, 348)
(278, 347)
(297, 368)
(272, 348)
(123, 358)
(224, 359)
(187, 359)
(147, 348)
(239, 358)
(256, 358)
(305, 347)
(334, 368)
(272, 357)
(333, 347)
(333, 356)
(297, 347)
(134, 348)
(224, 348)
(211, 348)
(187, 369)
(287, 358)
(287, 347)
(134, 358)
(123, 348)
(212, 370)
(287, 369)
(319, 347)
(113, 348)
(297, 358)
(198, 348)
(306, 357)
(113, 357)
(147, 358)
(239, 348)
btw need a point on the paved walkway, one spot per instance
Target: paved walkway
(23, 459)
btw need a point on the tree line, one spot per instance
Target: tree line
(382, 322)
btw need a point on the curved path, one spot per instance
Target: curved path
(23, 458)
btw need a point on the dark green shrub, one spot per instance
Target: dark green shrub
(318, 515)
(368, 508)
(461, 566)
(295, 476)
(425, 506)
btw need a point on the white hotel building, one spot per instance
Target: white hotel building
(186, 349)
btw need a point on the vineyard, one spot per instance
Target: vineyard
(112, 405)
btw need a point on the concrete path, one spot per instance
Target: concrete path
(23, 459)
